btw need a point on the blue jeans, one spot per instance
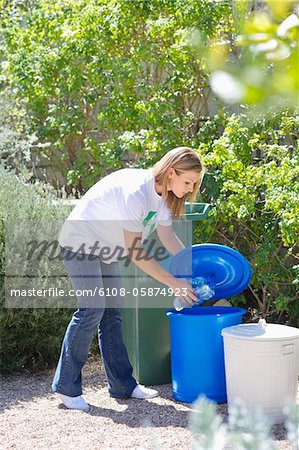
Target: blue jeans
(94, 313)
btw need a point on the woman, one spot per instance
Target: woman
(110, 221)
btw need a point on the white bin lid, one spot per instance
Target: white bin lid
(261, 331)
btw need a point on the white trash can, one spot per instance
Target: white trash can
(261, 366)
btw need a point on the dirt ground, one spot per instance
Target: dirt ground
(34, 418)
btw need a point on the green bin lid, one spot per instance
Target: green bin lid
(199, 211)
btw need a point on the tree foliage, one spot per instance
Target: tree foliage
(107, 83)
(252, 181)
(259, 67)
(102, 84)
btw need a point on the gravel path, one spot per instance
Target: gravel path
(34, 418)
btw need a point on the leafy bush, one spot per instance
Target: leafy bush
(252, 181)
(29, 337)
(91, 72)
(14, 149)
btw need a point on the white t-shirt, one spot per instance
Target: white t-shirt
(125, 199)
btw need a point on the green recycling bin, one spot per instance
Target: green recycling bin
(146, 329)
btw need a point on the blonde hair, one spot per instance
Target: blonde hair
(181, 159)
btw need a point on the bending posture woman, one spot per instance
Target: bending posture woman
(118, 213)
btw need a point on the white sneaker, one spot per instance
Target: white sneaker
(74, 402)
(142, 392)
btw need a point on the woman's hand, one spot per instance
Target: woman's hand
(186, 290)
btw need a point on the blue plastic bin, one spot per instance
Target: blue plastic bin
(197, 354)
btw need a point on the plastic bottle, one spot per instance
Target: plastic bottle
(203, 289)
(179, 304)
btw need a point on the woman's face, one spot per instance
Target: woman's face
(183, 183)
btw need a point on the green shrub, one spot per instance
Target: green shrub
(89, 72)
(252, 181)
(29, 337)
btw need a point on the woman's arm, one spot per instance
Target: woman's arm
(139, 256)
(169, 239)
